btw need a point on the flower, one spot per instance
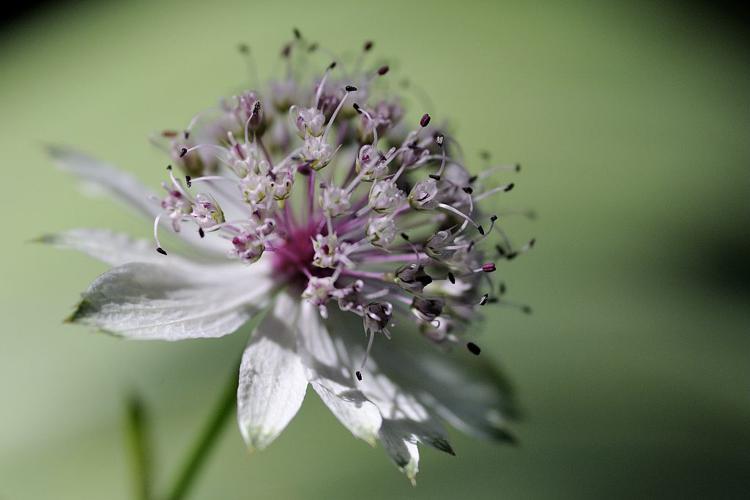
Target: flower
(343, 222)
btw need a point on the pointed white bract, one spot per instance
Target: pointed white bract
(159, 302)
(358, 237)
(272, 378)
(329, 372)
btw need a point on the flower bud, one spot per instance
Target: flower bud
(427, 309)
(412, 277)
(308, 121)
(423, 195)
(281, 187)
(249, 111)
(317, 152)
(385, 197)
(370, 164)
(206, 211)
(377, 316)
(381, 231)
(334, 200)
(247, 247)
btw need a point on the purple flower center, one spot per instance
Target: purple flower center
(293, 260)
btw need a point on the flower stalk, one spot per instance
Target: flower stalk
(206, 441)
(137, 432)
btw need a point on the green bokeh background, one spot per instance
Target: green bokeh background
(632, 123)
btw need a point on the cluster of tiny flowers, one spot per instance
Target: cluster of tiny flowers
(356, 209)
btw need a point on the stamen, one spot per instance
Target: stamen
(185, 151)
(488, 267)
(176, 184)
(440, 140)
(252, 70)
(256, 109)
(322, 83)
(461, 215)
(367, 115)
(208, 178)
(348, 89)
(473, 348)
(512, 167)
(156, 235)
(504, 188)
(371, 336)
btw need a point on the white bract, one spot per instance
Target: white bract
(309, 219)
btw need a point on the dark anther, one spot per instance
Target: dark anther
(501, 289)
(332, 65)
(468, 189)
(169, 167)
(473, 179)
(368, 46)
(489, 267)
(183, 152)
(518, 167)
(425, 120)
(201, 232)
(161, 250)
(424, 279)
(481, 230)
(451, 278)
(434, 176)
(493, 218)
(473, 348)
(532, 242)
(492, 300)
(383, 70)
(357, 108)
(188, 181)
(297, 34)
(405, 236)
(509, 187)
(359, 375)
(168, 133)
(286, 50)
(500, 250)
(186, 134)
(484, 298)
(351, 88)
(511, 255)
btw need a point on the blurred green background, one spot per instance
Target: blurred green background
(632, 122)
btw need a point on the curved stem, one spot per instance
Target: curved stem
(137, 427)
(206, 440)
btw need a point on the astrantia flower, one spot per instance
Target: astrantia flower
(361, 236)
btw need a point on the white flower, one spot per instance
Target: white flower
(324, 258)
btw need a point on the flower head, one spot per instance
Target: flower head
(316, 197)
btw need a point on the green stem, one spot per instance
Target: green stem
(206, 441)
(140, 452)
